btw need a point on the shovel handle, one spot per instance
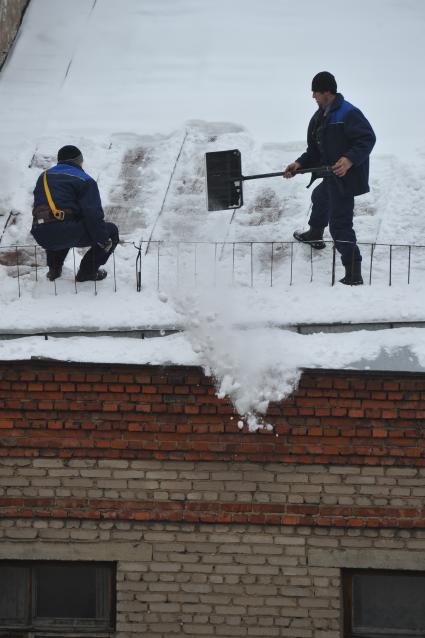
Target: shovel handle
(321, 170)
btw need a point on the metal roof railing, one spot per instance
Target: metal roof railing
(259, 264)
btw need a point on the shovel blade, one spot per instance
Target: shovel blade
(224, 180)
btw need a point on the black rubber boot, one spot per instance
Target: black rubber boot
(313, 236)
(97, 276)
(353, 274)
(54, 273)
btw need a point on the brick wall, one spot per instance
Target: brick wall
(144, 412)
(220, 580)
(215, 531)
(233, 492)
(11, 12)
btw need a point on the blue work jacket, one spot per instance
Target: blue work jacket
(72, 189)
(343, 131)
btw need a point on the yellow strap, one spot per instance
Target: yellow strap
(59, 214)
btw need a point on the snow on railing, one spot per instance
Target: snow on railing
(24, 262)
(270, 263)
(258, 264)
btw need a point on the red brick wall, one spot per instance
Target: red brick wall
(55, 415)
(94, 411)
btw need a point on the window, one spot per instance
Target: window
(384, 604)
(56, 596)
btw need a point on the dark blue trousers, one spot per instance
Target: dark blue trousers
(93, 259)
(331, 205)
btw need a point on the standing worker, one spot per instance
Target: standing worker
(68, 213)
(340, 136)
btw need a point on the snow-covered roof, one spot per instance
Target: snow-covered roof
(147, 90)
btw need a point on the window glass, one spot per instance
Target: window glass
(43, 595)
(65, 591)
(384, 603)
(14, 582)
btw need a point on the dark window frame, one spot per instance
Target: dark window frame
(105, 602)
(347, 604)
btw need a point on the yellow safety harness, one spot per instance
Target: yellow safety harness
(58, 214)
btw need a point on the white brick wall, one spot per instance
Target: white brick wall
(219, 580)
(228, 482)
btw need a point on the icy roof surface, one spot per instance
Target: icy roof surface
(145, 91)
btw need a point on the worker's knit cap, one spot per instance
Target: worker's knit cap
(70, 154)
(324, 81)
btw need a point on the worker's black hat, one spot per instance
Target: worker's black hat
(70, 154)
(324, 81)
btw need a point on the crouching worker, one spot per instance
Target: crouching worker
(68, 213)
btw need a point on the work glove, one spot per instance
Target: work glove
(107, 246)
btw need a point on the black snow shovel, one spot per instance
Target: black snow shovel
(224, 178)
